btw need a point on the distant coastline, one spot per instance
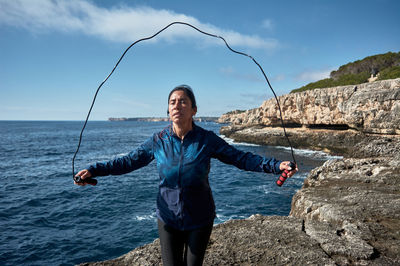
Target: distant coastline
(159, 119)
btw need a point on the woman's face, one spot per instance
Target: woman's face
(180, 108)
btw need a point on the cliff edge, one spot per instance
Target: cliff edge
(367, 108)
(330, 119)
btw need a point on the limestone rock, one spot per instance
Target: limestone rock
(369, 108)
(357, 201)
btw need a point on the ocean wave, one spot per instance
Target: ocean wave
(300, 176)
(268, 189)
(311, 153)
(221, 218)
(232, 142)
(145, 217)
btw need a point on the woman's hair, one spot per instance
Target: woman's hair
(188, 91)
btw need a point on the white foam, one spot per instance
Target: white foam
(104, 157)
(223, 218)
(306, 152)
(232, 142)
(145, 217)
(267, 189)
(300, 176)
(311, 153)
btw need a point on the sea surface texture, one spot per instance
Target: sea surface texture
(47, 220)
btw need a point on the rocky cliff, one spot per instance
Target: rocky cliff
(367, 108)
(331, 119)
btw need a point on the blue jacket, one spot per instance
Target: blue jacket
(185, 201)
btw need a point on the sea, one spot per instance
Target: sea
(47, 220)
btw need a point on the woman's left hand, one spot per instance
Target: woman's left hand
(285, 165)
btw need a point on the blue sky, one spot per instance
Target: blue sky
(54, 54)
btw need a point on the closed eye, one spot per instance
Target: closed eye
(182, 102)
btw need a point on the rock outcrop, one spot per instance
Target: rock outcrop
(367, 108)
(331, 119)
(351, 207)
(348, 143)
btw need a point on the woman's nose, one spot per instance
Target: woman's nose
(177, 105)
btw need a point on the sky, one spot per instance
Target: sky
(54, 54)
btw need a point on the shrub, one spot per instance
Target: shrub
(390, 73)
(323, 83)
(387, 65)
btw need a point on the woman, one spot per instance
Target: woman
(185, 206)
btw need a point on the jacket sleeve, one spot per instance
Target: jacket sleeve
(136, 159)
(243, 160)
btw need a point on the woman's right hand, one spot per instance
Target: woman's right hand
(86, 177)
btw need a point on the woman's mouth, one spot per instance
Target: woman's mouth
(177, 114)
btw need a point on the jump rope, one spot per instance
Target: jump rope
(283, 176)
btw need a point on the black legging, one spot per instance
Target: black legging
(183, 247)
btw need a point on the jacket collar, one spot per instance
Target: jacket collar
(172, 133)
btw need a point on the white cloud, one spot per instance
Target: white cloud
(119, 23)
(231, 72)
(267, 24)
(314, 75)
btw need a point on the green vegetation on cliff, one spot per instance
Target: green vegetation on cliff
(386, 66)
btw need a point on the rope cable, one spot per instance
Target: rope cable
(154, 35)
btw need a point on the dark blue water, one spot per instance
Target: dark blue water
(47, 220)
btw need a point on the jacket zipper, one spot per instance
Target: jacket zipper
(180, 179)
(180, 163)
